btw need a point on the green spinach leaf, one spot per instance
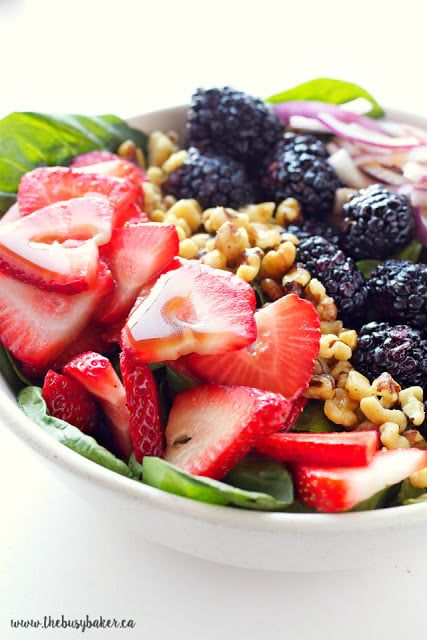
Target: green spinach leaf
(29, 140)
(262, 474)
(165, 476)
(328, 90)
(30, 400)
(9, 370)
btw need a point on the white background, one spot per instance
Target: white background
(57, 554)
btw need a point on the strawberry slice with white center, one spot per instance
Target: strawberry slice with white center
(68, 400)
(120, 168)
(347, 449)
(332, 489)
(96, 157)
(56, 247)
(11, 214)
(131, 215)
(36, 325)
(144, 408)
(93, 157)
(46, 185)
(280, 360)
(193, 308)
(212, 427)
(96, 373)
(135, 255)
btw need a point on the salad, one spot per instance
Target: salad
(237, 316)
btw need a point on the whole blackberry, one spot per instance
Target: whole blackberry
(308, 178)
(399, 350)
(231, 122)
(338, 274)
(212, 180)
(311, 227)
(377, 223)
(398, 290)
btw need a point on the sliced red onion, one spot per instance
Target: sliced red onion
(339, 121)
(388, 159)
(312, 109)
(420, 217)
(367, 135)
(344, 166)
(383, 174)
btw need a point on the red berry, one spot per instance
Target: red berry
(346, 449)
(36, 325)
(191, 308)
(282, 357)
(96, 373)
(333, 489)
(68, 400)
(144, 407)
(212, 427)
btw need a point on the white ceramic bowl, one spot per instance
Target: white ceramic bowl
(259, 540)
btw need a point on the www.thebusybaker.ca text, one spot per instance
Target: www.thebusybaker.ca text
(80, 624)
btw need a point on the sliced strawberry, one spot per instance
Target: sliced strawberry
(11, 214)
(55, 247)
(68, 400)
(131, 215)
(120, 168)
(346, 449)
(135, 255)
(93, 157)
(36, 325)
(280, 360)
(144, 408)
(212, 427)
(332, 489)
(45, 185)
(191, 308)
(96, 373)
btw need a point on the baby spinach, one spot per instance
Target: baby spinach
(259, 473)
(31, 401)
(328, 90)
(9, 370)
(29, 140)
(165, 476)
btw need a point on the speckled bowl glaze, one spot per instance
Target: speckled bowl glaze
(257, 540)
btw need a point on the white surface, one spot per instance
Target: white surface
(58, 556)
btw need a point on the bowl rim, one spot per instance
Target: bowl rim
(22, 427)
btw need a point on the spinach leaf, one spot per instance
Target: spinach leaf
(262, 474)
(367, 267)
(167, 477)
(30, 400)
(9, 370)
(313, 419)
(29, 140)
(328, 90)
(407, 493)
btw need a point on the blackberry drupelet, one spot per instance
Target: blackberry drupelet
(308, 178)
(338, 274)
(231, 122)
(377, 223)
(311, 227)
(305, 143)
(399, 350)
(212, 180)
(398, 291)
